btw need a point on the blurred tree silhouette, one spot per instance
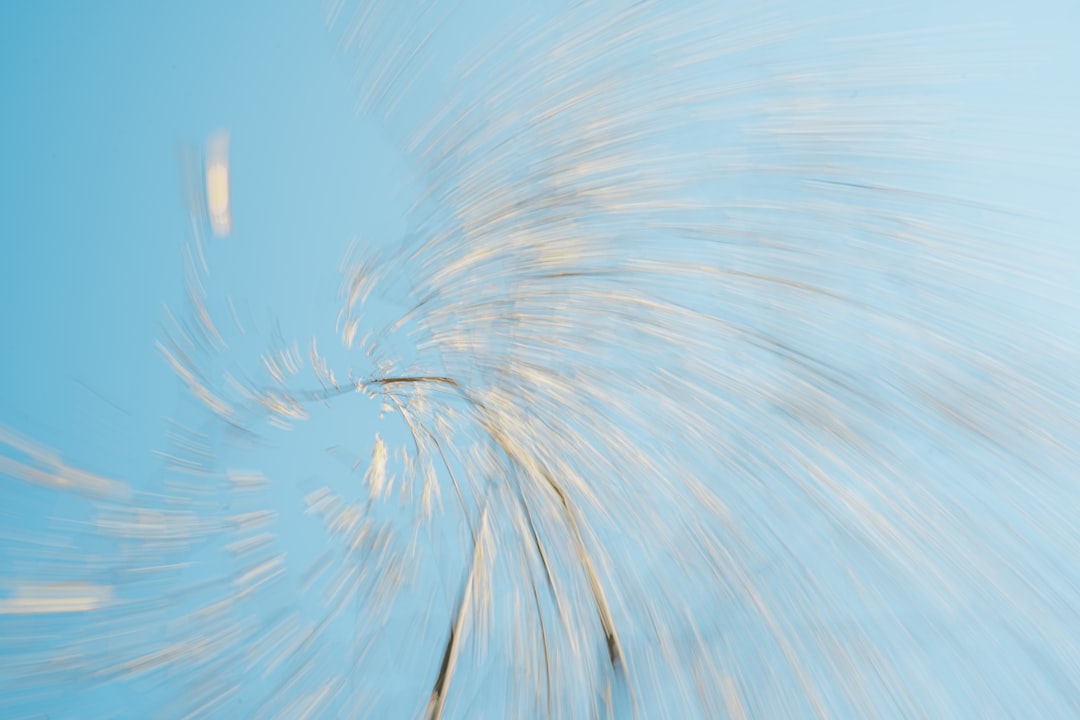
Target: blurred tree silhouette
(727, 386)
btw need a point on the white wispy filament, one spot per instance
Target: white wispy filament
(726, 391)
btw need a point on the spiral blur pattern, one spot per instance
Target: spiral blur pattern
(723, 383)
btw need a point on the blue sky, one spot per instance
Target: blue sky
(97, 100)
(100, 101)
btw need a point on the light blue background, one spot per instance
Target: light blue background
(96, 98)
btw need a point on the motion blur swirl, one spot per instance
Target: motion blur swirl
(721, 381)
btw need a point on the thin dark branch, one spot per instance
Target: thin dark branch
(413, 379)
(446, 667)
(602, 609)
(607, 624)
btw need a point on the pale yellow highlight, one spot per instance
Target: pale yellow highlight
(217, 184)
(50, 598)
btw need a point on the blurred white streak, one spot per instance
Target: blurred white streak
(47, 598)
(53, 472)
(217, 183)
